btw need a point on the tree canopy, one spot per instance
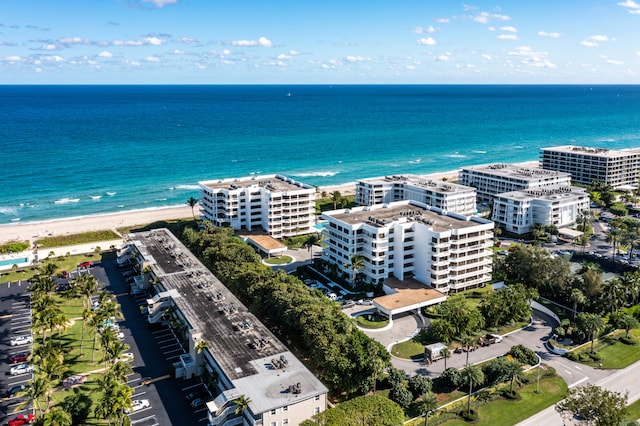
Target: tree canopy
(610, 409)
(370, 410)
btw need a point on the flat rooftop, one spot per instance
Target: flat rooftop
(409, 292)
(596, 152)
(514, 171)
(434, 185)
(241, 345)
(549, 193)
(402, 212)
(274, 183)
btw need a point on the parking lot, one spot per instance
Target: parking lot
(154, 350)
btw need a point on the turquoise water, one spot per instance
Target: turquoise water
(11, 262)
(80, 150)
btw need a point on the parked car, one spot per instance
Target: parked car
(21, 369)
(367, 302)
(195, 395)
(21, 340)
(74, 380)
(19, 357)
(12, 391)
(348, 304)
(197, 403)
(137, 405)
(64, 274)
(84, 265)
(22, 419)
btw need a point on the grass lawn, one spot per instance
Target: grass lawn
(65, 263)
(74, 239)
(505, 412)
(614, 356)
(281, 260)
(375, 321)
(409, 349)
(634, 410)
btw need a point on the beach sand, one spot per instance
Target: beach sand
(33, 230)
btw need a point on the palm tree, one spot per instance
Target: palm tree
(311, 241)
(57, 417)
(378, 366)
(86, 315)
(335, 198)
(627, 322)
(429, 403)
(119, 370)
(592, 323)
(192, 203)
(613, 292)
(613, 237)
(242, 404)
(577, 297)
(474, 377)
(446, 353)
(513, 372)
(48, 269)
(468, 342)
(39, 388)
(357, 263)
(201, 345)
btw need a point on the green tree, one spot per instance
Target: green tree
(419, 385)
(626, 322)
(401, 396)
(577, 297)
(473, 376)
(370, 410)
(611, 408)
(357, 263)
(78, 405)
(57, 417)
(429, 403)
(613, 236)
(396, 376)
(591, 324)
(514, 373)
(242, 403)
(335, 198)
(468, 342)
(192, 202)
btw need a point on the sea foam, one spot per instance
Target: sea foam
(66, 200)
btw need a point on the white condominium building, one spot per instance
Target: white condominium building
(227, 345)
(435, 193)
(492, 179)
(280, 206)
(407, 239)
(518, 211)
(586, 165)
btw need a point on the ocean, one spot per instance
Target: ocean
(69, 151)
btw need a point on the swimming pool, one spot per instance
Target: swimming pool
(320, 226)
(16, 261)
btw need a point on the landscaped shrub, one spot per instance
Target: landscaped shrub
(419, 385)
(451, 378)
(396, 376)
(572, 356)
(401, 396)
(628, 340)
(594, 356)
(469, 416)
(511, 395)
(523, 355)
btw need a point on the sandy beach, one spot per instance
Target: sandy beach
(33, 230)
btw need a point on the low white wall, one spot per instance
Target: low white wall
(538, 307)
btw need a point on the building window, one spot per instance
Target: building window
(316, 410)
(274, 423)
(285, 408)
(273, 412)
(317, 397)
(285, 422)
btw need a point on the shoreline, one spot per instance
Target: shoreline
(29, 231)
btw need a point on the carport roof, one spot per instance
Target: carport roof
(410, 294)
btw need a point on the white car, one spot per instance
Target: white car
(120, 335)
(21, 369)
(137, 405)
(22, 340)
(126, 357)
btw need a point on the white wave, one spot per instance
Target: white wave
(161, 199)
(189, 187)
(111, 194)
(606, 140)
(479, 152)
(8, 210)
(317, 174)
(418, 161)
(66, 200)
(518, 146)
(96, 197)
(15, 219)
(456, 155)
(121, 205)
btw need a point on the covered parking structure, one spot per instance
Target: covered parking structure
(569, 235)
(265, 244)
(407, 295)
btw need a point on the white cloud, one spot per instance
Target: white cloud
(356, 59)
(507, 37)
(589, 43)
(410, 67)
(262, 41)
(509, 29)
(105, 54)
(443, 20)
(152, 59)
(421, 30)
(161, 3)
(153, 41)
(486, 56)
(52, 58)
(283, 56)
(188, 40)
(599, 38)
(177, 52)
(444, 58)
(485, 17)
(49, 47)
(550, 35)
(429, 41)
(531, 58)
(74, 40)
(615, 62)
(632, 7)
(13, 58)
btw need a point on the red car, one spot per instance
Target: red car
(84, 265)
(22, 419)
(64, 274)
(17, 358)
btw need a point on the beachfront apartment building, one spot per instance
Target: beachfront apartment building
(226, 344)
(410, 240)
(492, 179)
(447, 196)
(587, 165)
(280, 206)
(519, 211)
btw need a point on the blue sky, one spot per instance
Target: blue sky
(319, 41)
